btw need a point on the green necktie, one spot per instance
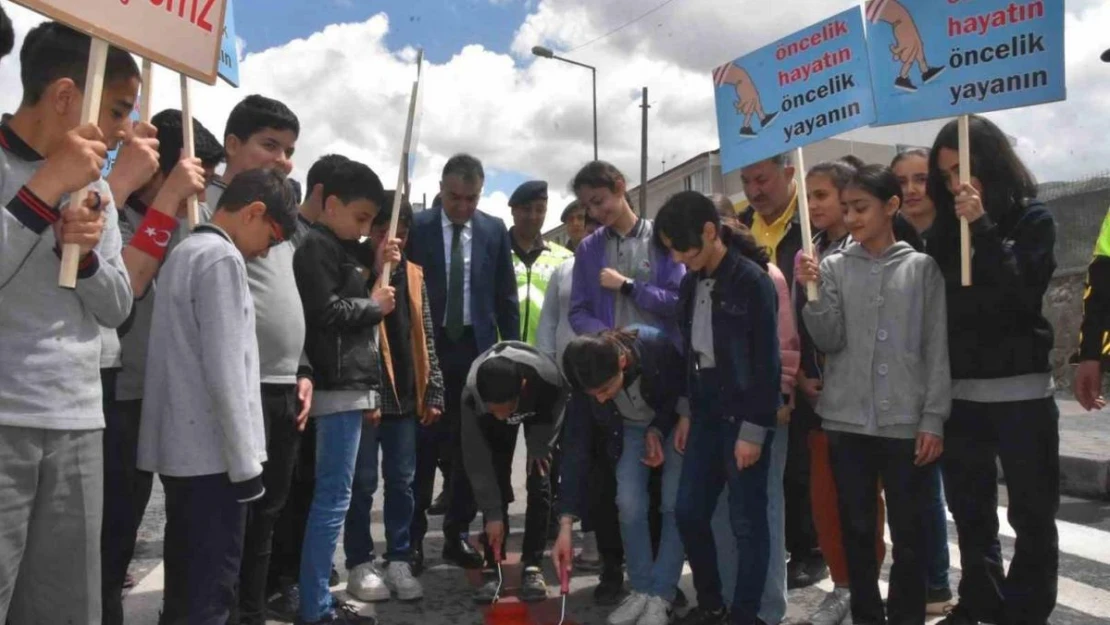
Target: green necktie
(455, 286)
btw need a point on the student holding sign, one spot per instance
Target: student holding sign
(342, 310)
(878, 282)
(51, 418)
(1002, 389)
(412, 396)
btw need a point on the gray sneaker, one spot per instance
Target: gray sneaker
(629, 611)
(400, 581)
(657, 612)
(488, 590)
(532, 585)
(834, 608)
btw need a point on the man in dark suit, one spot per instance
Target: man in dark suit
(468, 270)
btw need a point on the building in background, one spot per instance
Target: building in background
(703, 172)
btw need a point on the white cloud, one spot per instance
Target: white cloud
(533, 116)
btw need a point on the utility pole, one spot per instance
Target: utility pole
(644, 155)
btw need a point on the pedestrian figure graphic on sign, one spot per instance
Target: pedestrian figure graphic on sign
(748, 102)
(907, 47)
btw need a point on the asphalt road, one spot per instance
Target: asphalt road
(1084, 586)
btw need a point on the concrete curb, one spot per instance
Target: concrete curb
(1085, 477)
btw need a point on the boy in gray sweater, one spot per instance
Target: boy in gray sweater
(202, 428)
(153, 182)
(51, 420)
(261, 133)
(510, 384)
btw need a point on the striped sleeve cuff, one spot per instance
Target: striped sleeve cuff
(32, 212)
(88, 266)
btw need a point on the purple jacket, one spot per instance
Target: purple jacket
(591, 307)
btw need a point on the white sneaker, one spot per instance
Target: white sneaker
(400, 581)
(629, 611)
(657, 612)
(364, 583)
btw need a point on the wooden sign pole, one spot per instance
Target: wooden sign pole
(803, 217)
(402, 172)
(90, 114)
(965, 178)
(188, 147)
(146, 102)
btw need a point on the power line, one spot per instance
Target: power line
(619, 28)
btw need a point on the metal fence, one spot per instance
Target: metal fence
(1079, 207)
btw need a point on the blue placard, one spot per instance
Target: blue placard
(941, 58)
(803, 88)
(229, 53)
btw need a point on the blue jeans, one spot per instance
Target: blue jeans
(658, 577)
(772, 608)
(709, 464)
(396, 435)
(337, 441)
(936, 531)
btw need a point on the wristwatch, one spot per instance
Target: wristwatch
(626, 288)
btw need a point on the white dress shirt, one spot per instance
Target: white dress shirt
(466, 239)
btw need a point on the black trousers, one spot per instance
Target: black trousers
(1025, 437)
(445, 445)
(501, 438)
(126, 494)
(203, 549)
(288, 537)
(859, 462)
(801, 533)
(279, 412)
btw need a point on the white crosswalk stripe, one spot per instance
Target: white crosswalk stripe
(1077, 540)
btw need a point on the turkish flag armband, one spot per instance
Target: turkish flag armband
(152, 237)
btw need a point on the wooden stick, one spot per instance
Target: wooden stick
(188, 147)
(965, 178)
(145, 103)
(803, 217)
(90, 112)
(402, 172)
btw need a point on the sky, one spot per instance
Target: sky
(346, 68)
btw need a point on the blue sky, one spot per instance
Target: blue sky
(442, 27)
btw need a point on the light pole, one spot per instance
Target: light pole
(548, 54)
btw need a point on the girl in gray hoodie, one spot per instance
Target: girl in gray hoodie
(880, 319)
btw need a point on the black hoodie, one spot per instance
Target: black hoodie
(995, 327)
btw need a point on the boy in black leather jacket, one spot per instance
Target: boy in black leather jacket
(342, 308)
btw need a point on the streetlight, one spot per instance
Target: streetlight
(548, 54)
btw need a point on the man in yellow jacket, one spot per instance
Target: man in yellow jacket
(534, 260)
(1094, 334)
